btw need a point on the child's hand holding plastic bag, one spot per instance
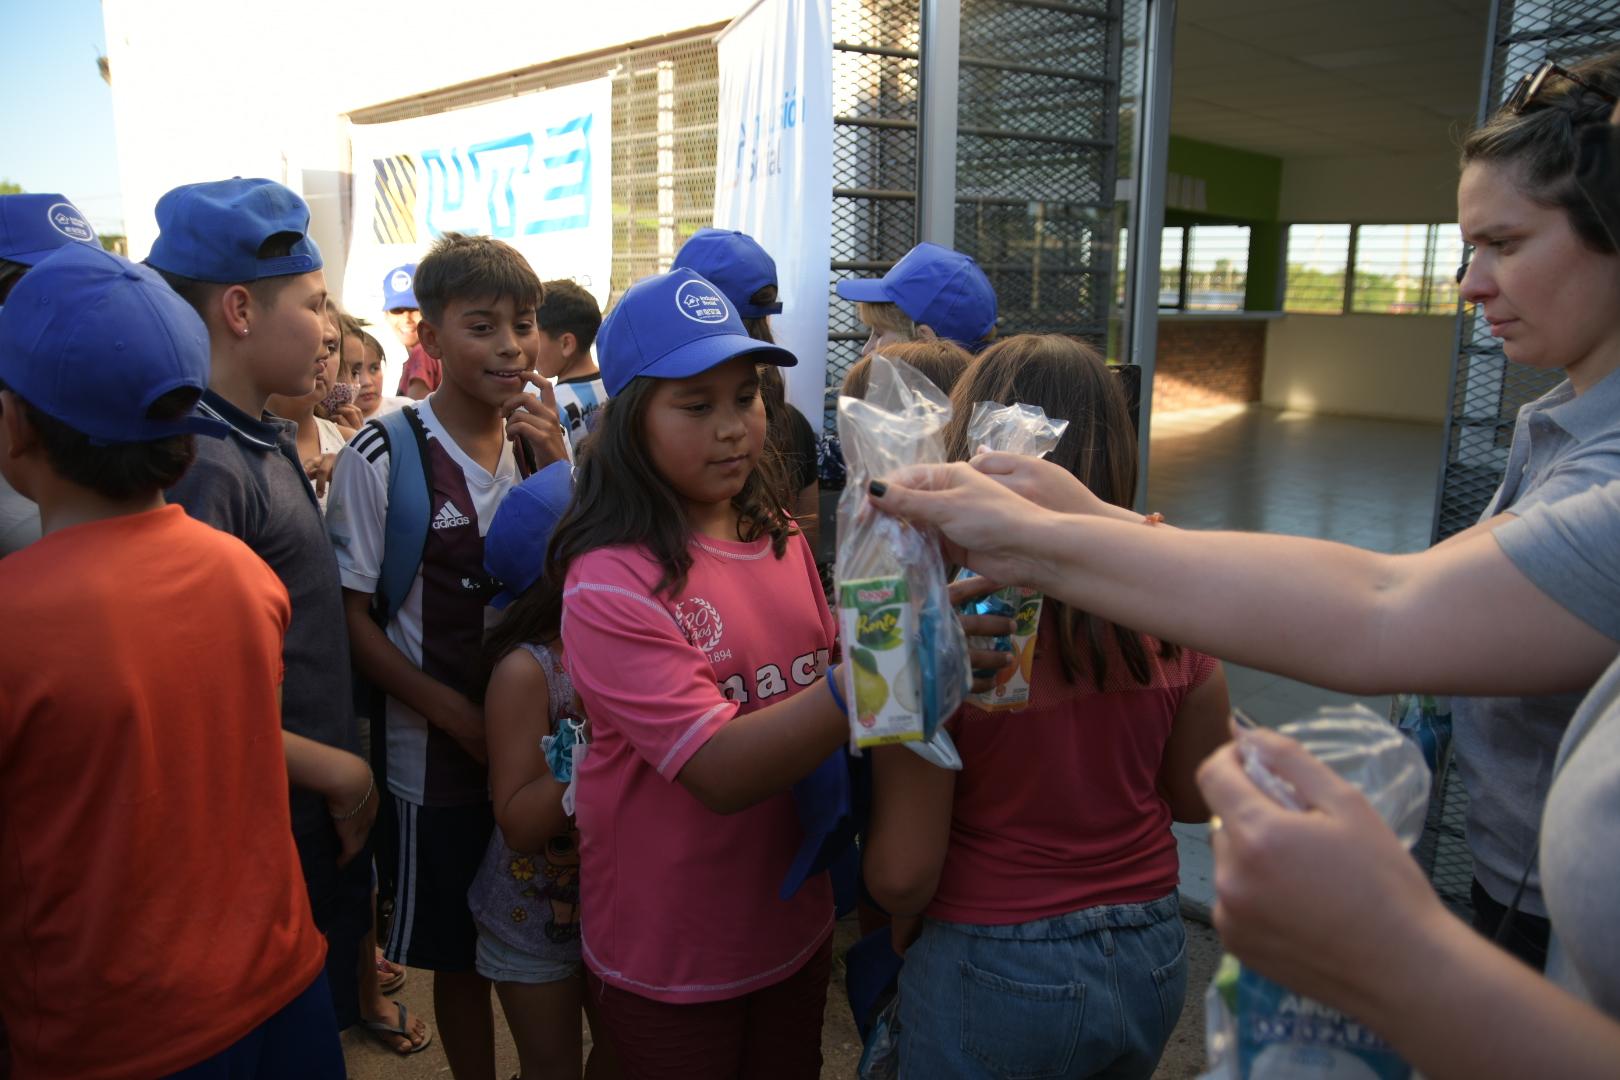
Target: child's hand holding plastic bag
(906, 664)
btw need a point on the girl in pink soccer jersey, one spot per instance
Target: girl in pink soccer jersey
(697, 636)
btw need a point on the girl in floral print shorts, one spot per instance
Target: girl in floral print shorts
(525, 898)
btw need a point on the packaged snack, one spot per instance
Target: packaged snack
(340, 394)
(1015, 429)
(1256, 1029)
(906, 666)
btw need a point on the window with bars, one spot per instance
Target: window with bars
(1406, 269)
(1387, 269)
(1203, 267)
(1318, 256)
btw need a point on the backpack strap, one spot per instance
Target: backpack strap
(410, 501)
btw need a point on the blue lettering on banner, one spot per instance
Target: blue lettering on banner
(494, 188)
(775, 124)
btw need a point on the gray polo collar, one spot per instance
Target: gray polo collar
(1590, 414)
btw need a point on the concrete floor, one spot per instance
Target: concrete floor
(1364, 482)
(1369, 483)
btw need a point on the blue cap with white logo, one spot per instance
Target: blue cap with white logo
(93, 340)
(736, 263)
(936, 287)
(515, 546)
(213, 231)
(33, 226)
(399, 288)
(671, 326)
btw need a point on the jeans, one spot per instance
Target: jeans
(1096, 992)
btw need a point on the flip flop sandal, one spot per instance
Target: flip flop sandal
(380, 1031)
(390, 979)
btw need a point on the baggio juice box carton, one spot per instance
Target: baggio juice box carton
(883, 681)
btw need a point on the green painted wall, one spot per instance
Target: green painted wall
(1238, 185)
(1241, 188)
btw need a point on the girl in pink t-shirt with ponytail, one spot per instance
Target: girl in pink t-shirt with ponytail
(697, 636)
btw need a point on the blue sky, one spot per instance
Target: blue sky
(56, 133)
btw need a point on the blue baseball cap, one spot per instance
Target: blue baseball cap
(673, 325)
(92, 339)
(33, 226)
(735, 263)
(941, 289)
(515, 546)
(213, 231)
(399, 288)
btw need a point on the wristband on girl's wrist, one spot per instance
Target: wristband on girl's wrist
(833, 688)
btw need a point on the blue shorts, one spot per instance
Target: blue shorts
(500, 962)
(1094, 992)
(297, 1041)
(440, 849)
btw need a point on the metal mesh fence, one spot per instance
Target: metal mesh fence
(665, 101)
(1487, 390)
(875, 110)
(1037, 143)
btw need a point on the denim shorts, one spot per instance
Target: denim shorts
(1096, 992)
(499, 962)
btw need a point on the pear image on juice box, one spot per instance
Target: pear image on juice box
(875, 618)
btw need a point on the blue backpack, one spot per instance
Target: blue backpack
(410, 504)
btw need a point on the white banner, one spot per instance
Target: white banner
(534, 171)
(773, 168)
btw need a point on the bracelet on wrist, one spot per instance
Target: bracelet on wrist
(835, 690)
(371, 789)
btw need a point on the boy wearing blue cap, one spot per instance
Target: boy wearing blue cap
(478, 300)
(569, 319)
(149, 771)
(31, 227)
(239, 252)
(931, 292)
(422, 373)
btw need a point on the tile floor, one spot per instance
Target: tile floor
(1370, 483)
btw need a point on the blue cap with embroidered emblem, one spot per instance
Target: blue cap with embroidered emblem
(93, 340)
(671, 326)
(33, 226)
(736, 263)
(399, 288)
(936, 287)
(515, 546)
(214, 231)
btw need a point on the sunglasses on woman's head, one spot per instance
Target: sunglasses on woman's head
(1527, 94)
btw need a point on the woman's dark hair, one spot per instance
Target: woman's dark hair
(619, 498)
(1540, 141)
(1068, 380)
(759, 327)
(120, 470)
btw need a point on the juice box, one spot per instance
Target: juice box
(882, 680)
(1024, 607)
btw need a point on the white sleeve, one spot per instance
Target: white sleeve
(357, 509)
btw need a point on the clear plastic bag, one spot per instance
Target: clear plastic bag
(1256, 1029)
(905, 657)
(1013, 429)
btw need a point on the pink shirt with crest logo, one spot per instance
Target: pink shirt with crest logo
(678, 903)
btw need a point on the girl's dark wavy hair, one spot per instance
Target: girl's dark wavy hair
(1541, 142)
(1068, 380)
(620, 498)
